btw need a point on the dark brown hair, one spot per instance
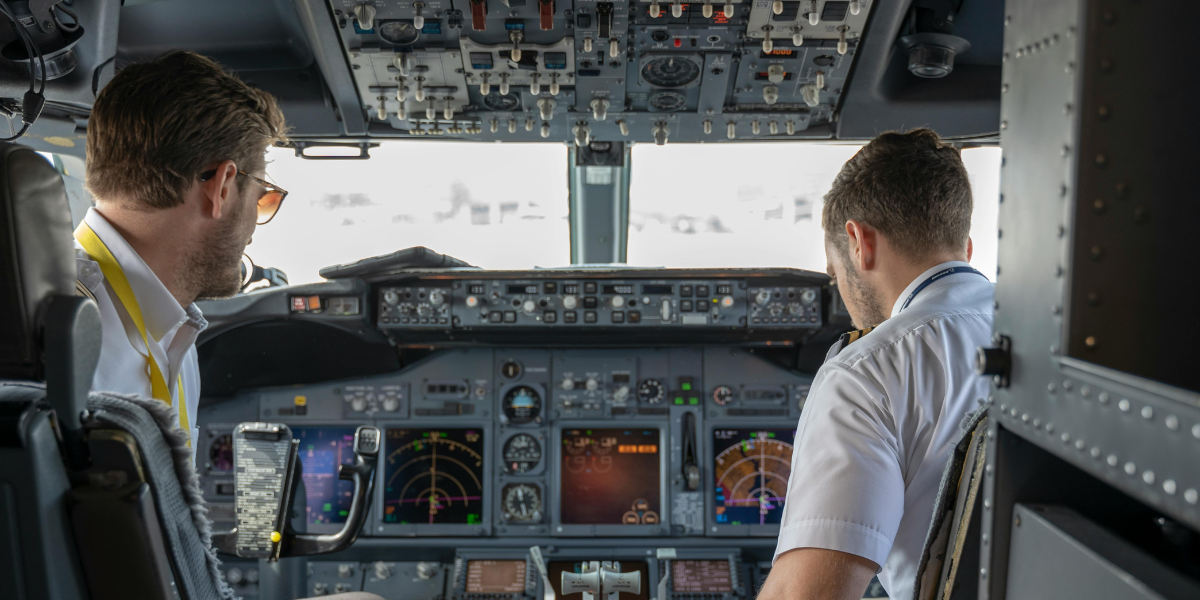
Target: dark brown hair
(911, 187)
(157, 125)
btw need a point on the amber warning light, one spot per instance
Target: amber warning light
(637, 449)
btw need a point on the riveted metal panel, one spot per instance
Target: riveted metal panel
(1088, 195)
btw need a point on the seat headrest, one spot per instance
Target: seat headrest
(37, 257)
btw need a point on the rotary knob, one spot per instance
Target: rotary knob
(426, 570)
(382, 570)
(234, 576)
(436, 298)
(776, 310)
(570, 302)
(391, 403)
(568, 384)
(621, 394)
(618, 302)
(592, 385)
(424, 310)
(808, 296)
(795, 309)
(529, 307)
(358, 404)
(762, 297)
(391, 297)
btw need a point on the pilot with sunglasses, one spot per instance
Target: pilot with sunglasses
(175, 161)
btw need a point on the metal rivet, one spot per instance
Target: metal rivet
(1003, 124)
(988, 469)
(1056, 310)
(1020, 52)
(1067, 384)
(1097, 253)
(1003, 408)
(1066, 437)
(1196, 431)
(1148, 477)
(1025, 418)
(1037, 423)
(1062, 231)
(1191, 496)
(1013, 412)
(1090, 342)
(1130, 468)
(1103, 397)
(1147, 412)
(1079, 445)
(1101, 160)
(1111, 460)
(1123, 405)
(1095, 452)
(1053, 348)
(1004, 88)
(987, 503)
(1169, 486)
(1102, 111)
(1049, 427)
(1172, 422)
(1067, 108)
(983, 573)
(991, 434)
(1085, 391)
(1050, 387)
(1098, 207)
(1093, 299)
(1070, 67)
(1017, 521)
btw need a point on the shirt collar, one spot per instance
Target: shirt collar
(920, 278)
(159, 307)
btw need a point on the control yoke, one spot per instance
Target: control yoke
(267, 471)
(600, 579)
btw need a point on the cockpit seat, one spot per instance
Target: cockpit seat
(96, 502)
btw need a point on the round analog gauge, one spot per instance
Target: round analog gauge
(399, 33)
(670, 71)
(667, 101)
(605, 445)
(522, 404)
(522, 453)
(501, 102)
(220, 453)
(522, 502)
(722, 395)
(651, 391)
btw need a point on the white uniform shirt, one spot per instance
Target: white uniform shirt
(880, 424)
(171, 329)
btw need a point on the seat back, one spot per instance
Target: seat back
(46, 335)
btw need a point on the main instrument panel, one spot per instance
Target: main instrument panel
(665, 455)
(609, 71)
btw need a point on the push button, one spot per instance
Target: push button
(589, 316)
(569, 316)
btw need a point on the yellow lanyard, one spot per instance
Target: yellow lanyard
(120, 285)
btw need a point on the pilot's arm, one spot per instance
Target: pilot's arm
(845, 497)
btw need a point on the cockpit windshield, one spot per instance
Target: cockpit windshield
(690, 205)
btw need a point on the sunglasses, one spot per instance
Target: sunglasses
(268, 203)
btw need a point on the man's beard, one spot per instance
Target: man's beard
(214, 271)
(864, 298)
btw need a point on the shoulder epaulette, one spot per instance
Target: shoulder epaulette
(851, 337)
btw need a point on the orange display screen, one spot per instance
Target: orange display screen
(610, 477)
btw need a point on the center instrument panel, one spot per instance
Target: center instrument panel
(582, 71)
(668, 458)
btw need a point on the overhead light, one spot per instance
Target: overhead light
(931, 55)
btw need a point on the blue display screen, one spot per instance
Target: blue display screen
(751, 467)
(322, 449)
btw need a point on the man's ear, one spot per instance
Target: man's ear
(220, 191)
(970, 248)
(864, 245)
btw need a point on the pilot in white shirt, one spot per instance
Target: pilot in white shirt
(884, 411)
(175, 161)
(170, 329)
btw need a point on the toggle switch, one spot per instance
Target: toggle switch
(624, 127)
(535, 83)
(546, 108)
(418, 18)
(599, 108)
(707, 127)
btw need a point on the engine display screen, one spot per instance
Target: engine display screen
(433, 476)
(610, 477)
(322, 449)
(701, 577)
(751, 468)
(495, 577)
(558, 567)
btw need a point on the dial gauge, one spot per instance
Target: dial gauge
(522, 404)
(722, 395)
(521, 453)
(666, 101)
(399, 33)
(501, 102)
(522, 502)
(670, 71)
(220, 453)
(651, 391)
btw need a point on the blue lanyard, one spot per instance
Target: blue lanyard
(937, 276)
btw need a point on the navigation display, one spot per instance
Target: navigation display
(610, 477)
(433, 476)
(495, 577)
(751, 468)
(701, 577)
(558, 567)
(322, 449)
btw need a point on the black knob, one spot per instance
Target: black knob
(991, 361)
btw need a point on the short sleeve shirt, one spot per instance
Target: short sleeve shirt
(881, 421)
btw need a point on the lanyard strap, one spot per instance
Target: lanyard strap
(115, 275)
(935, 277)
